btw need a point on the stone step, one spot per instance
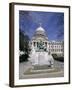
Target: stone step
(37, 67)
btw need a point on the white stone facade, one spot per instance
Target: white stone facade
(56, 47)
(53, 47)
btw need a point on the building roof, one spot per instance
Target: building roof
(40, 33)
(40, 29)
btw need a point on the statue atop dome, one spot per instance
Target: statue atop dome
(40, 24)
(40, 28)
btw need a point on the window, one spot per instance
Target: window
(34, 43)
(46, 44)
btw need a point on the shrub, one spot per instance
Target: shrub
(54, 55)
(23, 58)
(24, 46)
(58, 58)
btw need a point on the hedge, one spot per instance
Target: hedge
(58, 58)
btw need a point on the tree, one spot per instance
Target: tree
(24, 46)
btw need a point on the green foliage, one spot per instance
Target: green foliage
(24, 46)
(58, 58)
(23, 57)
(54, 56)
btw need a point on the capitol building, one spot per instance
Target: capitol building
(53, 47)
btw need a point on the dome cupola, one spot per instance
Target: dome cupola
(40, 29)
(40, 33)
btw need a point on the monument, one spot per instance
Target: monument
(40, 55)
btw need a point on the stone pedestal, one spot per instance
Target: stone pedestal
(41, 58)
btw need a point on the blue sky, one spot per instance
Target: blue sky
(52, 22)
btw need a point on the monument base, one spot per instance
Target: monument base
(41, 70)
(41, 59)
(41, 67)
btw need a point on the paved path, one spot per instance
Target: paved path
(25, 65)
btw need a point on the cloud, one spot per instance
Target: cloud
(52, 22)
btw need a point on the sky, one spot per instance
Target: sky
(52, 22)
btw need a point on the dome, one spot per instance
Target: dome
(40, 33)
(40, 29)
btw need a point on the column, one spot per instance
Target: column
(36, 44)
